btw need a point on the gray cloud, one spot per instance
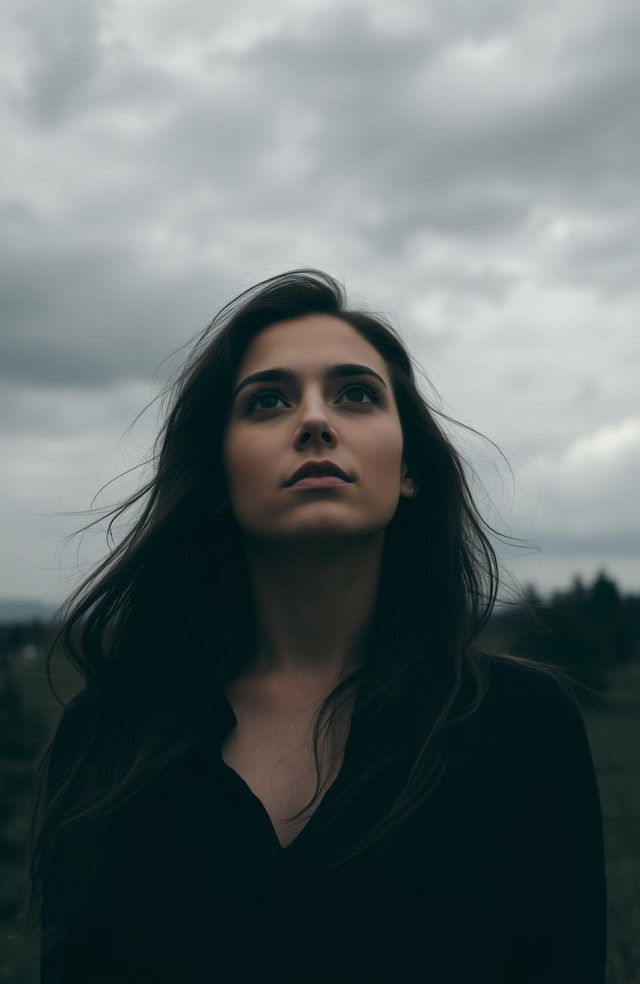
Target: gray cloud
(470, 168)
(61, 56)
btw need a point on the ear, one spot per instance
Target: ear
(408, 485)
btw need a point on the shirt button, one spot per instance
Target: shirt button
(272, 855)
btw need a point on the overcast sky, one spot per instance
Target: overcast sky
(469, 169)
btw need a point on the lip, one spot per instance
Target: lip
(319, 482)
(306, 470)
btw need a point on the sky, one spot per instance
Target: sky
(469, 170)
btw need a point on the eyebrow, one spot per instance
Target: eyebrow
(332, 372)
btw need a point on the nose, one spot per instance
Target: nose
(316, 435)
(315, 426)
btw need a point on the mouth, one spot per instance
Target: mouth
(319, 482)
(324, 468)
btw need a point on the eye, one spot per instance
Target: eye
(371, 391)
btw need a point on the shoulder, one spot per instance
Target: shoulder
(533, 709)
(522, 685)
(72, 717)
(68, 734)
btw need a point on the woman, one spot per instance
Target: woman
(291, 761)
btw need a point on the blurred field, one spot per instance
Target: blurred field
(614, 734)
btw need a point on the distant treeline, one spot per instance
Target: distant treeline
(586, 630)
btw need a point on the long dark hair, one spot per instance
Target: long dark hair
(165, 620)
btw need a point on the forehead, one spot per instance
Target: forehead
(307, 345)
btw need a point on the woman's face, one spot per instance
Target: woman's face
(313, 416)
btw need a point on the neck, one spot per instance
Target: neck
(313, 602)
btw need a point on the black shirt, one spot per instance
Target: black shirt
(499, 877)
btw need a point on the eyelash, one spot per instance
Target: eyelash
(372, 391)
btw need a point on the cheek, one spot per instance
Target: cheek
(249, 462)
(381, 457)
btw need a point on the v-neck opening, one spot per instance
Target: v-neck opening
(232, 722)
(284, 848)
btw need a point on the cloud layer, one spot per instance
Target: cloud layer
(470, 170)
